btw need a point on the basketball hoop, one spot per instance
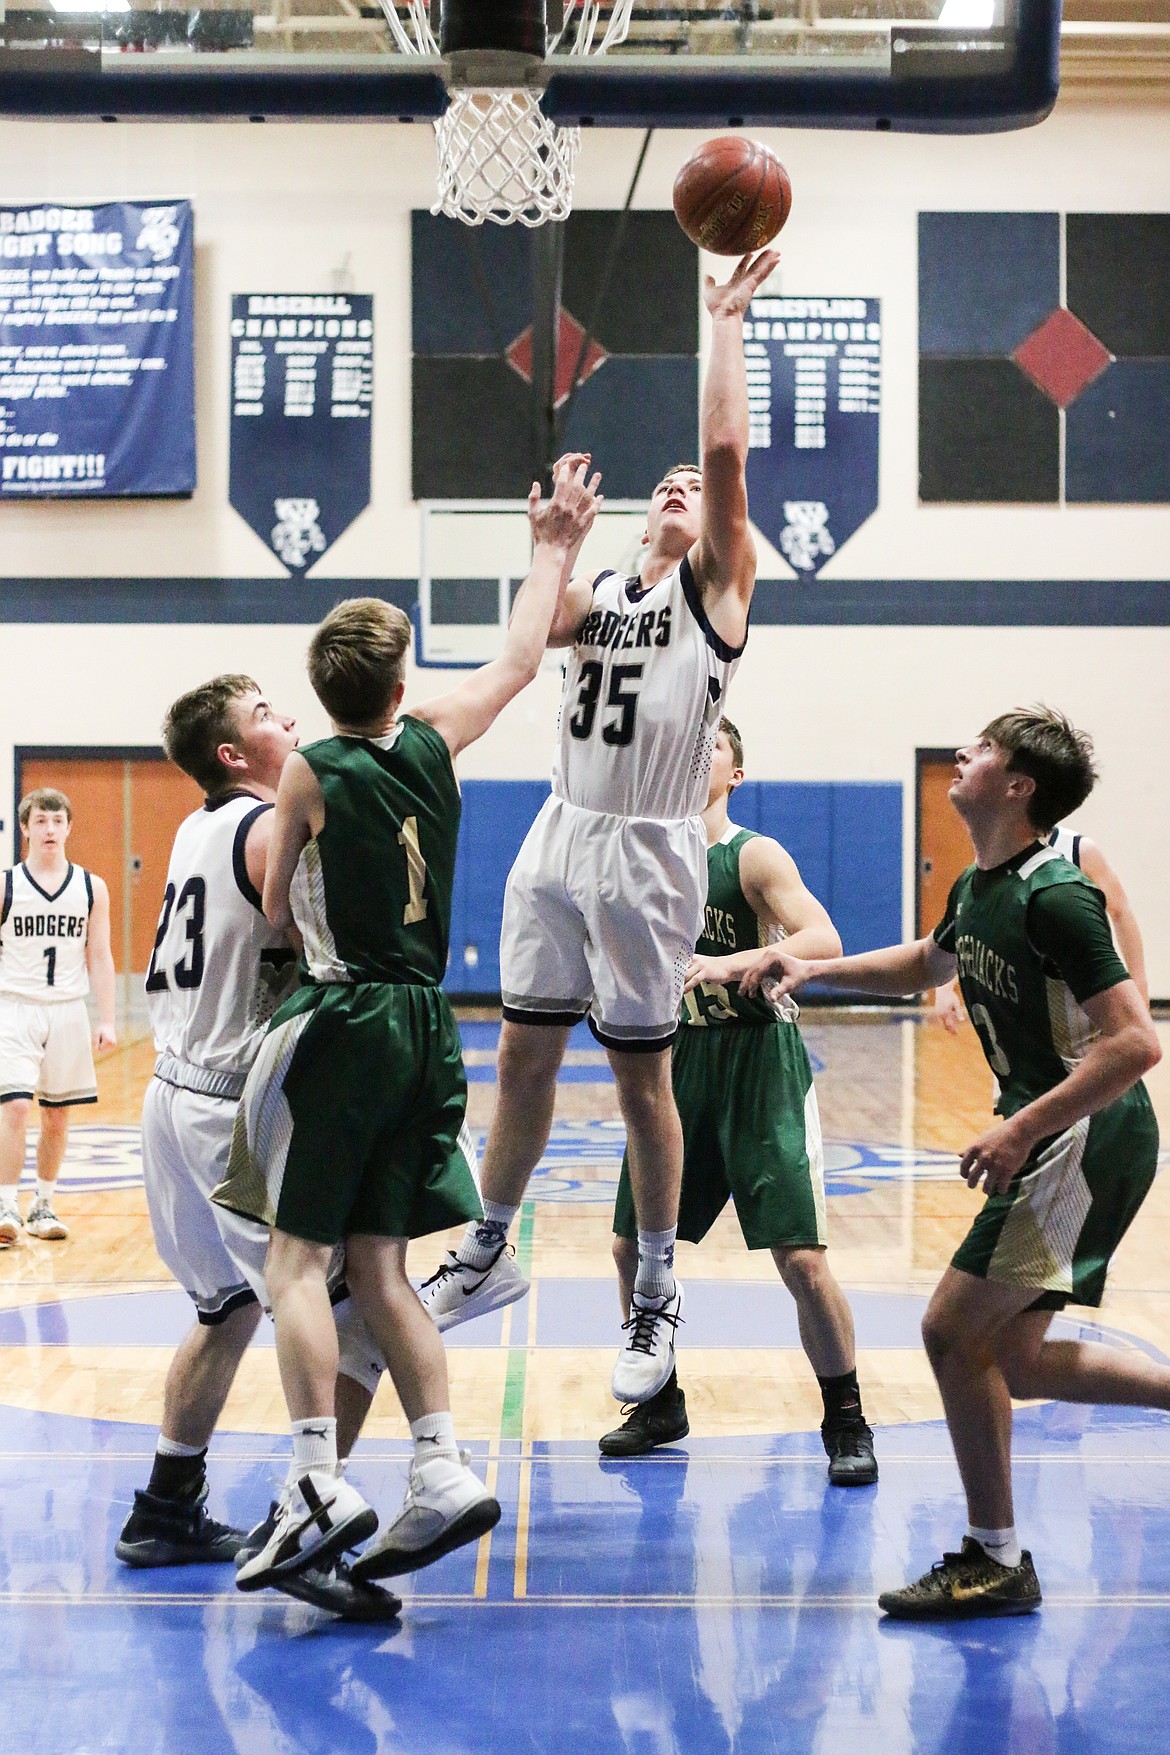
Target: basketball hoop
(500, 158)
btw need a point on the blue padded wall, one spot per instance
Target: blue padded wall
(845, 835)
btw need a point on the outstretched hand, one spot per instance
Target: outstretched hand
(781, 973)
(566, 519)
(735, 295)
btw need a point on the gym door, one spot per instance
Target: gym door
(944, 846)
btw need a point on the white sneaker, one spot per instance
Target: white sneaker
(43, 1222)
(457, 1292)
(445, 1507)
(11, 1225)
(318, 1517)
(646, 1361)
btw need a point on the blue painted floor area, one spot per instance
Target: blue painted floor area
(718, 1597)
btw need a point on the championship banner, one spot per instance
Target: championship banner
(814, 394)
(302, 396)
(97, 375)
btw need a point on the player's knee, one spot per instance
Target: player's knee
(238, 1326)
(54, 1121)
(803, 1271)
(16, 1112)
(528, 1055)
(941, 1336)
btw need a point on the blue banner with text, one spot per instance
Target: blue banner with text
(302, 399)
(814, 397)
(97, 372)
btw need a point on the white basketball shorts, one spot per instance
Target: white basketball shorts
(217, 1256)
(46, 1051)
(601, 917)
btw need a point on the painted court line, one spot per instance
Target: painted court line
(262, 1599)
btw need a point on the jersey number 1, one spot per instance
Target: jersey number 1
(416, 873)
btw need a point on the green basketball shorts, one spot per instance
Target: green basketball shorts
(1063, 1217)
(751, 1133)
(352, 1120)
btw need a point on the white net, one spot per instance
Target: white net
(500, 157)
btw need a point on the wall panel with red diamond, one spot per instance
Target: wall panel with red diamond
(635, 405)
(1036, 392)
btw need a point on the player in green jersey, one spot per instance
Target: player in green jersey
(352, 1121)
(1066, 1167)
(751, 1129)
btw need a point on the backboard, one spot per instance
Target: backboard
(932, 65)
(473, 557)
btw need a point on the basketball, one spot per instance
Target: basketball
(732, 196)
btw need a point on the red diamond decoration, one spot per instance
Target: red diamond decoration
(1062, 357)
(569, 338)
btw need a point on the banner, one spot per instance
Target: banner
(97, 376)
(814, 394)
(302, 397)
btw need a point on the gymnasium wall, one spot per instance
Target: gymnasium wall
(824, 696)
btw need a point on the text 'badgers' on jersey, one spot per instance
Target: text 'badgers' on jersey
(218, 970)
(43, 936)
(645, 686)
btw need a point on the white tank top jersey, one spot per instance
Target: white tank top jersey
(218, 970)
(645, 687)
(43, 936)
(1067, 843)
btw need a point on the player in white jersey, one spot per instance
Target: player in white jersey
(217, 972)
(605, 901)
(1085, 854)
(54, 940)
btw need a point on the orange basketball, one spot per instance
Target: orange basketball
(732, 195)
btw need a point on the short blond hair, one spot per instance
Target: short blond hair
(357, 659)
(43, 798)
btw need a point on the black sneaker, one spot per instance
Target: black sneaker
(963, 1585)
(175, 1532)
(335, 1589)
(661, 1420)
(849, 1449)
(258, 1536)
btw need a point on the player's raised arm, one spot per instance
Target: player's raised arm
(559, 527)
(299, 814)
(99, 960)
(724, 560)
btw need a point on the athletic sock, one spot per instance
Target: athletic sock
(179, 1470)
(485, 1238)
(842, 1400)
(1001, 1545)
(8, 1200)
(314, 1446)
(434, 1435)
(655, 1277)
(46, 1190)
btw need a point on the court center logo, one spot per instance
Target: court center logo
(296, 534)
(805, 537)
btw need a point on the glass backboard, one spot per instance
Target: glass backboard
(937, 65)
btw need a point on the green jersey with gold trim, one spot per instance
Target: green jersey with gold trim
(371, 893)
(1032, 941)
(730, 923)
